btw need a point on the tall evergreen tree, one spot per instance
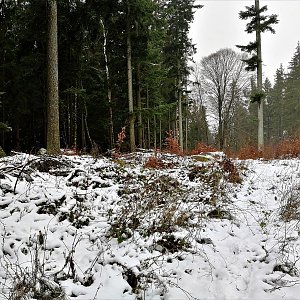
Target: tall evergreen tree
(22, 76)
(259, 23)
(275, 106)
(87, 96)
(267, 86)
(292, 95)
(178, 50)
(129, 77)
(53, 134)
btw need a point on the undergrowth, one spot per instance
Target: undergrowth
(31, 280)
(288, 148)
(149, 204)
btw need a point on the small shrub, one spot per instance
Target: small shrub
(290, 209)
(172, 145)
(249, 152)
(154, 162)
(286, 268)
(202, 148)
(31, 282)
(95, 151)
(219, 213)
(48, 164)
(198, 171)
(120, 141)
(2, 153)
(171, 244)
(232, 172)
(120, 231)
(269, 151)
(288, 148)
(132, 279)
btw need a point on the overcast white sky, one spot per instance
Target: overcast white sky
(217, 25)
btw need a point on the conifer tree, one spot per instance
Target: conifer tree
(178, 49)
(259, 23)
(53, 135)
(129, 78)
(276, 107)
(292, 95)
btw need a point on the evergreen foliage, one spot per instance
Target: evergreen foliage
(93, 93)
(258, 23)
(292, 95)
(92, 44)
(283, 105)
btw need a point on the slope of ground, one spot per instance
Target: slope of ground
(201, 227)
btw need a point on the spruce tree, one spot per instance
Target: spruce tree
(178, 50)
(292, 95)
(53, 134)
(23, 72)
(259, 23)
(276, 108)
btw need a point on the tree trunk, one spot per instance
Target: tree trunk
(220, 124)
(75, 121)
(260, 135)
(186, 133)
(180, 129)
(160, 134)
(139, 107)
(53, 138)
(83, 138)
(129, 77)
(148, 120)
(111, 127)
(154, 133)
(138, 97)
(69, 122)
(86, 125)
(179, 104)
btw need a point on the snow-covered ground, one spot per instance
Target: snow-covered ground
(199, 227)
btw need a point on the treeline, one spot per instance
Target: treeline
(126, 65)
(93, 41)
(282, 116)
(224, 106)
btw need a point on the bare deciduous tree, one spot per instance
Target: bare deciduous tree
(224, 82)
(198, 108)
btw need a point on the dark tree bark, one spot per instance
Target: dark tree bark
(53, 137)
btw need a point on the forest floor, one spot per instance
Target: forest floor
(150, 227)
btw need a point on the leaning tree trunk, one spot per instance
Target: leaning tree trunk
(260, 140)
(53, 138)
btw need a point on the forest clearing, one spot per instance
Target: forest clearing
(134, 172)
(187, 227)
